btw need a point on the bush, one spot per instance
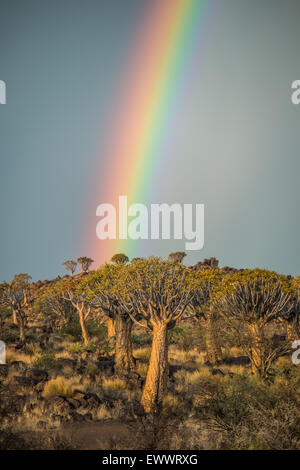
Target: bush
(141, 340)
(185, 337)
(44, 361)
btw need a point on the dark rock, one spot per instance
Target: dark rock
(78, 394)
(173, 369)
(136, 408)
(21, 381)
(62, 362)
(237, 361)
(217, 372)
(41, 424)
(106, 365)
(59, 402)
(37, 374)
(3, 370)
(76, 417)
(12, 404)
(133, 379)
(18, 365)
(74, 403)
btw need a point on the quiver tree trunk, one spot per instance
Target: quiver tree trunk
(256, 352)
(111, 327)
(14, 317)
(21, 322)
(291, 332)
(213, 348)
(84, 330)
(124, 360)
(156, 380)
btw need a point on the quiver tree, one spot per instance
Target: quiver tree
(65, 299)
(3, 301)
(256, 299)
(204, 285)
(85, 263)
(155, 295)
(17, 297)
(75, 293)
(83, 309)
(70, 265)
(120, 258)
(58, 311)
(293, 317)
(103, 289)
(177, 257)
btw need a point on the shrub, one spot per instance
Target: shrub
(44, 361)
(140, 340)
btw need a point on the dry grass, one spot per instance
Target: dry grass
(58, 386)
(181, 357)
(114, 385)
(142, 369)
(102, 413)
(12, 356)
(142, 353)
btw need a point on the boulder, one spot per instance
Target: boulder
(21, 381)
(37, 374)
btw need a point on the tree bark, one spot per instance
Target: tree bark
(111, 327)
(21, 327)
(291, 332)
(256, 353)
(84, 330)
(156, 380)
(213, 348)
(14, 317)
(124, 360)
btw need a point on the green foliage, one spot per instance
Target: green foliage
(95, 328)
(257, 276)
(183, 337)
(141, 339)
(80, 347)
(33, 349)
(44, 361)
(21, 280)
(85, 263)
(177, 257)
(120, 258)
(70, 265)
(5, 313)
(73, 329)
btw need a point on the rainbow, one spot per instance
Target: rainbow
(156, 66)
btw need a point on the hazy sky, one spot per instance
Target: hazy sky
(233, 141)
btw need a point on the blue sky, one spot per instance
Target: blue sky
(235, 142)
